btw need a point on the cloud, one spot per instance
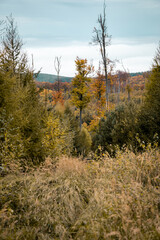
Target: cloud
(48, 28)
(44, 57)
(135, 57)
(140, 3)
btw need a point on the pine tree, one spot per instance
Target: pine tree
(150, 113)
(14, 61)
(20, 110)
(153, 86)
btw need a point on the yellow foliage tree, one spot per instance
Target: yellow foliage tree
(58, 137)
(80, 89)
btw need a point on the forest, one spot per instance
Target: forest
(78, 159)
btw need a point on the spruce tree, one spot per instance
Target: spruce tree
(14, 61)
(21, 112)
(150, 114)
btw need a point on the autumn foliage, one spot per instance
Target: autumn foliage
(62, 178)
(80, 85)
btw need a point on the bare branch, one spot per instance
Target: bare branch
(102, 39)
(57, 66)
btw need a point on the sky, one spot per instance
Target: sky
(51, 28)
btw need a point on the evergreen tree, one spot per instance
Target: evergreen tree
(150, 114)
(20, 110)
(153, 86)
(14, 61)
(118, 129)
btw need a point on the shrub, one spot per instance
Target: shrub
(118, 129)
(58, 137)
(84, 142)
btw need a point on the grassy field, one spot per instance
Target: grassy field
(111, 198)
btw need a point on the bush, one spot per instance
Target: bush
(58, 137)
(118, 129)
(84, 142)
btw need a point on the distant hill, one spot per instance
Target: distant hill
(138, 73)
(44, 77)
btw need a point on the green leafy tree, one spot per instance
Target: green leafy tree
(80, 89)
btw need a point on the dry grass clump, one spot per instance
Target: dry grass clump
(114, 198)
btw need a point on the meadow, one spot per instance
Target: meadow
(108, 198)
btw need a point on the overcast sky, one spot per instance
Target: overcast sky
(51, 28)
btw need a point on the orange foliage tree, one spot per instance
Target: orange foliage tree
(98, 90)
(57, 96)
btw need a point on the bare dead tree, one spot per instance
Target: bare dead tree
(128, 87)
(35, 74)
(32, 62)
(102, 39)
(119, 87)
(57, 66)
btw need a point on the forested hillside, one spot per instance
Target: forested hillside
(79, 159)
(43, 77)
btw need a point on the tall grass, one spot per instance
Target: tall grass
(113, 198)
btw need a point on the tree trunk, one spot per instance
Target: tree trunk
(80, 117)
(129, 95)
(107, 98)
(106, 79)
(58, 84)
(45, 97)
(129, 90)
(119, 87)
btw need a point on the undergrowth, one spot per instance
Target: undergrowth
(112, 198)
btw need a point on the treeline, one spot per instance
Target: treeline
(137, 82)
(73, 120)
(121, 86)
(139, 73)
(65, 86)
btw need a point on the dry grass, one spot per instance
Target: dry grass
(114, 198)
